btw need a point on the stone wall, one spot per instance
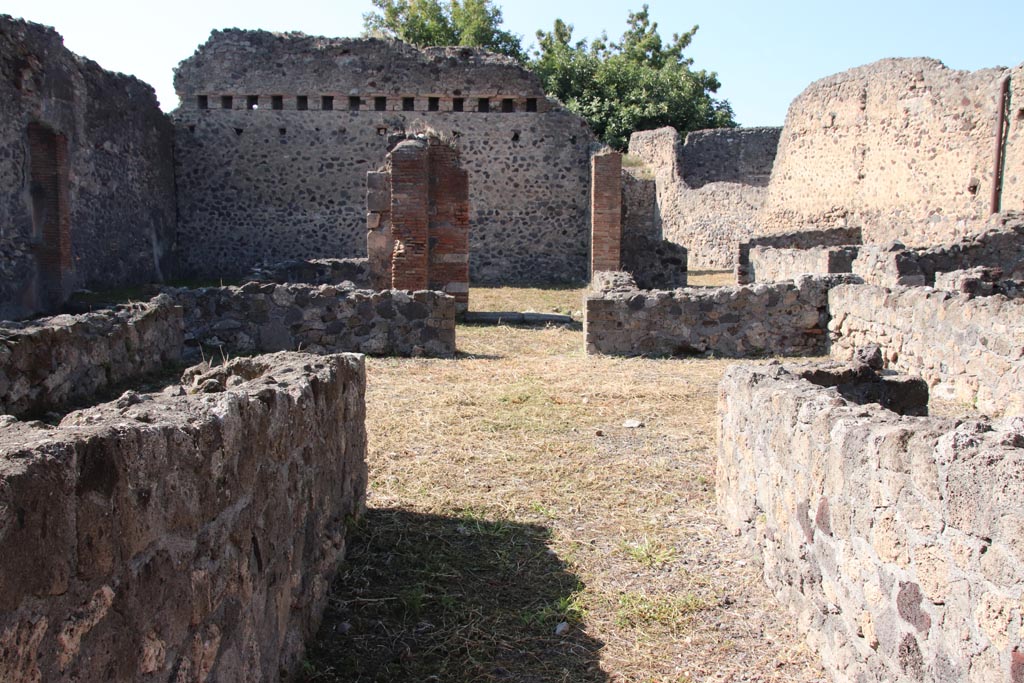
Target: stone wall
(189, 535)
(903, 148)
(729, 155)
(278, 182)
(86, 172)
(784, 318)
(894, 541)
(314, 272)
(265, 317)
(728, 168)
(1000, 245)
(968, 349)
(769, 264)
(53, 363)
(804, 239)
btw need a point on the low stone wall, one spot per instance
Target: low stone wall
(1000, 245)
(784, 318)
(769, 264)
(967, 349)
(806, 239)
(184, 536)
(332, 271)
(894, 540)
(265, 317)
(52, 363)
(980, 281)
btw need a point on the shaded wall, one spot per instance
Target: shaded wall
(86, 172)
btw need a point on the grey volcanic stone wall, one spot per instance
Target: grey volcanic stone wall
(769, 264)
(803, 239)
(270, 184)
(52, 363)
(728, 169)
(1000, 245)
(314, 272)
(903, 148)
(189, 535)
(729, 155)
(654, 262)
(86, 173)
(968, 349)
(783, 318)
(259, 318)
(894, 541)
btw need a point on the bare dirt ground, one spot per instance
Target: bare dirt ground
(519, 529)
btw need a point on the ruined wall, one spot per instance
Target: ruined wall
(260, 318)
(804, 239)
(53, 363)
(770, 264)
(968, 349)
(86, 172)
(605, 212)
(729, 155)
(728, 168)
(895, 541)
(903, 148)
(1000, 245)
(189, 535)
(278, 182)
(784, 318)
(314, 272)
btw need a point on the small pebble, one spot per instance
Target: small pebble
(562, 628)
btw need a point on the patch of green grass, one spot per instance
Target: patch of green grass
(650, 552)
(671, 612)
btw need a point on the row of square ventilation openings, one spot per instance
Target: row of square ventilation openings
(355, 103)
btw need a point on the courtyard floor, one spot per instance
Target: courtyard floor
(537, 514)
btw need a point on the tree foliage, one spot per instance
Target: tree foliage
(470, 23)
(639, 83)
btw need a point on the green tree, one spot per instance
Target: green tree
(639, 83)
(470, 23)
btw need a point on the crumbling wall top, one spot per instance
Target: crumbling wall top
(235, 60)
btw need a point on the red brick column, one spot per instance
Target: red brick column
(605, 212)
(449, 224)
(409, 221)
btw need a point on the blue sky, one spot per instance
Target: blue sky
(765, 53)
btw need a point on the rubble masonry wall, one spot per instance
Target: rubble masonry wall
(86, 173)
(967, 349)
(51, 363)
(894, 541)
(903, 148)
(783, 318)
(184, 536)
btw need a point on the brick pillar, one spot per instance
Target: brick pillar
(449, 224)
(605, 212)
(380, 244)
(409, 221)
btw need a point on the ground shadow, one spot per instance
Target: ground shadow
(430, 598)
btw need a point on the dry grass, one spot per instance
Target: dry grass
(507, 497)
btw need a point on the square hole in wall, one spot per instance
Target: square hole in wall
(354, 102)
(277, 102)
(433, 104)
(227, 102)
(531, 104)
(252, 102)
(380, 104)
(408, 104)
(508, 105)
(327, 103)
(458, 104)
(483, 105)
(203, 102)
(302, 103)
